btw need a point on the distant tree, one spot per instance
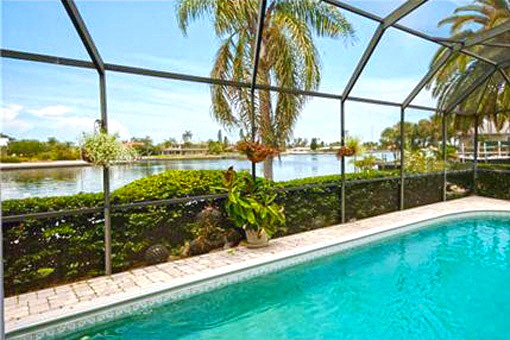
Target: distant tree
(144, 146)
(214, 147)
(186, 137)
(298, 143)
(26, 148)
(314, 144)
(225, 142)
(370, 146)
(220, 136)
(52, 141)
(3, 135)
(167, 143)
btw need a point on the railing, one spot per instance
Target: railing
(487, 152)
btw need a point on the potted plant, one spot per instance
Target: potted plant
(351, 148)
(345, 151)
(251, 206)
(101, 148)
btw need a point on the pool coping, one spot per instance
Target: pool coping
(324, 241)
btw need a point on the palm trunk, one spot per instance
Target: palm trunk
(265, 125)
(268, 168)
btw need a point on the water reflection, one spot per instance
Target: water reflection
(69, 181)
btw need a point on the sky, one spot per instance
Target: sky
(42, 100)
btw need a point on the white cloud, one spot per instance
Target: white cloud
(86, 124)
(51, 111)
(10, 112)
(10, 121)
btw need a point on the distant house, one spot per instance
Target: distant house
(493, 144)
(4, 141)
(181, 150)
(488, 132)
(134, 144)
(298, 150)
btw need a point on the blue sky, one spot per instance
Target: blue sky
(39, 100)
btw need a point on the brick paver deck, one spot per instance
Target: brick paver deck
(35, 307)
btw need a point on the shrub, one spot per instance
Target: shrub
(10, 159)
(55, 250)
(494, 183)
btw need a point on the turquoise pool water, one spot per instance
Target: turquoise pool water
(448, 281)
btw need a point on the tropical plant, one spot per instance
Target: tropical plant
(492, 98)
(367, 163)
(424, 160)
(288, 59)
(251, 204)
(103, 149)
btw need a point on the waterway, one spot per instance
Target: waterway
(72, 180)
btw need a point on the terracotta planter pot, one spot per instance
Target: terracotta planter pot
(256, 239)
(85, 156)
(345, 151)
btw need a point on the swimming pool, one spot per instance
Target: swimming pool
(448, 280)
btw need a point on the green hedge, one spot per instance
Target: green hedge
(366, 199)
(54, 250)
(494, 183)
(41, 252)
(461, 183)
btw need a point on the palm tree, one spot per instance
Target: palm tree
(492, 99)
(186, 136)
(288, 59)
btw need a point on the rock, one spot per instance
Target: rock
(233, 237)
(156, 254)
(199, 246)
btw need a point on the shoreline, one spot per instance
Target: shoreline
(82, 163)
(147, 159)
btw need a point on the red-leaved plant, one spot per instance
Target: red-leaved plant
(256, 151)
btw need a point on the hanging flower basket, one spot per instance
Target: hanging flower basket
(256, 151)
(103, 149)
(345, 151)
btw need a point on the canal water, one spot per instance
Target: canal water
(72, 180)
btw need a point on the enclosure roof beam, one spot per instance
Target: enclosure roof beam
(481, 37)
(437, 40)
(495, 44)
(355, 10)
(258, 43)
(48, 59)
(505, 75)
(81, 29)
(406, 8)
(475, 85)
(392, 18)
(427, 78)
(475, 55)
(364, 60)
(479, 82)
(18, 55)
